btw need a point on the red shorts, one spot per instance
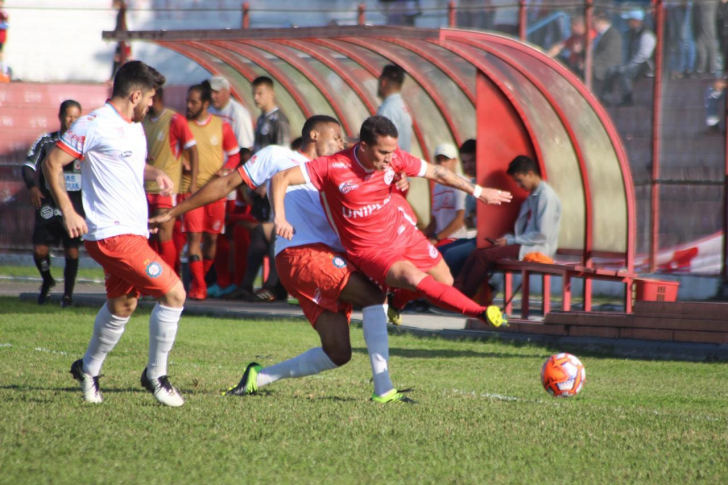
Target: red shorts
(158, 201)
(316, 275)
(209, 218)
(410, 246)
(131, 267)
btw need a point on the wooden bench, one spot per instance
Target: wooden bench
(567, 271)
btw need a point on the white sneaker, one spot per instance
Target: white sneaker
(89, 384)
(162, 390)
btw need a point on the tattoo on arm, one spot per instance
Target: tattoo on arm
(445, 177)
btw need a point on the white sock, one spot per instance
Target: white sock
(377, 340)
(308, 363)
(108, 329)
(162, 330)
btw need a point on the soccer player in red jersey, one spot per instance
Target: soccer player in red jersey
(356, 192)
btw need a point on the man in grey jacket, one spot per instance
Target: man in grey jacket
(607, 52)
(536, 230)
(641, 44)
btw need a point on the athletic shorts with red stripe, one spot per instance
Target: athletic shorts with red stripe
(410, 246)
(159, 201)
(209, 218)
(131, 267)
(316, 275)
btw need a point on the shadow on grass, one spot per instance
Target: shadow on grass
(104, 390)
(451, 354)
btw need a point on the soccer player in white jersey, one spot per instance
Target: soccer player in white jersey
(312, 267)
(111, 145)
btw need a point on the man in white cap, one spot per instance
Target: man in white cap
(448, 205)
(224, 106)
(641, 43)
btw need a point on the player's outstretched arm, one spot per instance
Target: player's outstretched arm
(484, 194)
(278, 186)
(214, 190)
(53, 171)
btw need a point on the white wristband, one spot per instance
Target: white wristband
(477, 191)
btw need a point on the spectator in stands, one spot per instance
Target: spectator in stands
(714, 104)
(224, 106)
(447, 223)
(4, 71)
(401, 12)
(393, 107)
(680, 44)
(607, 51)
(722, 21)
(457, 252)
(641, 43)
(536, 229)
(573, 50)
(272, 127)
(705, 13)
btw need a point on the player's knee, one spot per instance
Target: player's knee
(446, 279)
(174, 298)
(40, 252)
(339, 355)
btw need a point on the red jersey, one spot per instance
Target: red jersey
(358, 201)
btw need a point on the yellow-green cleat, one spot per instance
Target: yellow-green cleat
(248, 384)
(394, 316)
(392, 396)
(495, 317)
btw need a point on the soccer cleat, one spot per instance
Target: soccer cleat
(214, 291)
(227, 290)
(493, 315)
(197, 294)
(392, 396)
(89, 384)
(67, 301)
(394, 316)
(162, 390)
(248, 384)
(45, 290)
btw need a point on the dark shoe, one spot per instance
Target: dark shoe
(67, 301)
(45, 290)
(239, 294)
(89, 384)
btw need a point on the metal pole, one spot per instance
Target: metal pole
(589, 49)
(659, 12)
(361, 14)
(724, 272)
(121, 26)
(246, 15)
(522, 22)
(452, 21)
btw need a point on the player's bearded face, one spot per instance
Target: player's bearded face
(330, 140)
(379, 155)
(141, 109)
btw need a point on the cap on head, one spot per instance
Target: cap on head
(218, 82)
(447, 150)
(635, 14)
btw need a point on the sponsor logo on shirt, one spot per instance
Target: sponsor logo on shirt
(365, 211)
(73, 138)
(154, 269)
(346, 187)
(340, 165)
(126, 154)
(253, 159)
(46, 212)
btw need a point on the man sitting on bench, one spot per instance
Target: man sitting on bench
(536, 230)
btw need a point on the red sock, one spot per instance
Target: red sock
(168, 252)
(448, 297)
(222, 262)
(241, 242)
(179, 238)
(401, 297)
(198, 275)
(206, 265)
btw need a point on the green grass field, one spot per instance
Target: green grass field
(96, 274)
(482, 416)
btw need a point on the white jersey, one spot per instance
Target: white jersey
(113, 154)
(303, 204)
(239, 118)
(446, 201)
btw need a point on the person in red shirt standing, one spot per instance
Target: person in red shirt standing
(219, 154)
(356, 191)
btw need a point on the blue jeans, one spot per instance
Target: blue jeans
(456, 253)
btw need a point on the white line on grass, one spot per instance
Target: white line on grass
(49, 351)
(6, 345)
(495, 396)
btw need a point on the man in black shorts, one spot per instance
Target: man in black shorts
(49, 228)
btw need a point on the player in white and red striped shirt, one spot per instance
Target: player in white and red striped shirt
(356, 191)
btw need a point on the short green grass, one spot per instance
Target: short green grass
(96, 274)
(482, 416)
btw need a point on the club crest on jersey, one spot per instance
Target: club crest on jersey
(216, 225)
(252, 160)
(154, 269)
(346, 187)
(433, 251)
(388, 177)
(214, 140)
(160, 136)
(77, 165)
(339, 262)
